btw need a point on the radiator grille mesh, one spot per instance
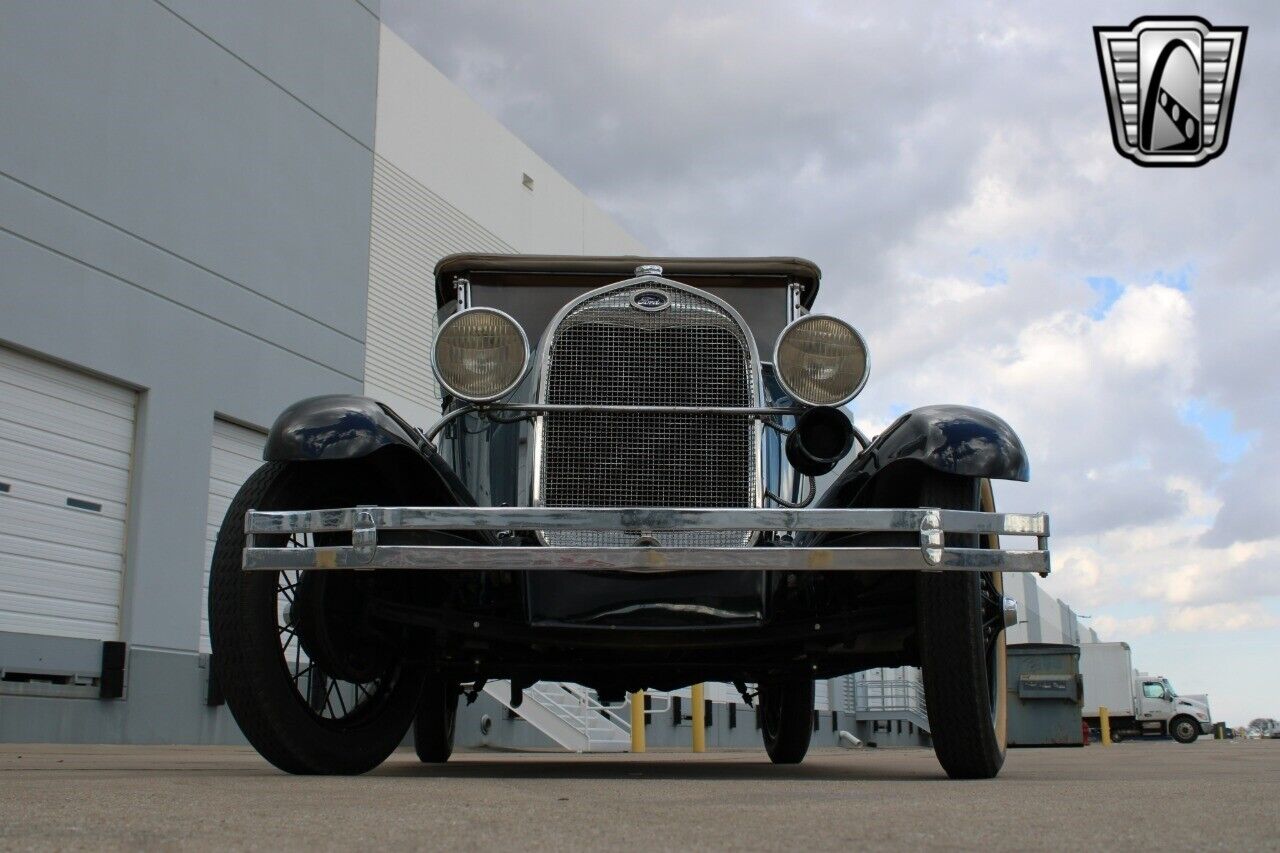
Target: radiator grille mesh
(693, 353)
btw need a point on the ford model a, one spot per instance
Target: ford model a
(642, 477)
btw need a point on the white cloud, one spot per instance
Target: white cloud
(1200, 498)
(1110, 627)
(1193, 619)
(1223, 617)
(1150, 329)
(1244, 572)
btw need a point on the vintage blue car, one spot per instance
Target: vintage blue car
(645, 476)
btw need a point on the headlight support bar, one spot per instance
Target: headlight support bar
(483, 410)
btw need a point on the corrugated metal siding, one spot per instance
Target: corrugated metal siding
(63, 435)
(412, 229)
(848, 693)
(822, 695)
(236, 453)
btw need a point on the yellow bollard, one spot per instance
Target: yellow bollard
(637, 721)
(1104, 726)
(699, 719)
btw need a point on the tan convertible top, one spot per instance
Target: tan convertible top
(546, 269)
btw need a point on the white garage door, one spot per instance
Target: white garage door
(236, 453)
(66, 447)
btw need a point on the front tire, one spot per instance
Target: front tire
(786, 718)
(1184, 729)
(960, 630)
(434, 724)
(298, 716)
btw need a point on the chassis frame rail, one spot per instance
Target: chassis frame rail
(364, 552)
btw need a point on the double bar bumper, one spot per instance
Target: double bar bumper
(365, 522)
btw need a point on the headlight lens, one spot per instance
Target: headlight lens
(821, 361)
(480, 354)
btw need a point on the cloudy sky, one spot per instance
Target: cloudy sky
(951, 170)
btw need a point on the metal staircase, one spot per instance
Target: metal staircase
(569, 715)
(887, 694)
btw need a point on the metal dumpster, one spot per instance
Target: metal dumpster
(1045, 691)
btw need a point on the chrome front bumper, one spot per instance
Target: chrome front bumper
(365, 522)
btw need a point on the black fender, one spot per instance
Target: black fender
(953, 439)
(344, 427)
(336, 426)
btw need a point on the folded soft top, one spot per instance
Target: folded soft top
(546, 269)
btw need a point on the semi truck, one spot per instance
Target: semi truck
(1138, 704)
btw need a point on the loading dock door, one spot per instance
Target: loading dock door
(236, 453)
(66, 450)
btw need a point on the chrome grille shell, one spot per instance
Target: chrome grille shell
(602, 349)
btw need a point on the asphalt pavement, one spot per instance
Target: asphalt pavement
(1139, 796)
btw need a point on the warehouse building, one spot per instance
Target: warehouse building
(209, 211)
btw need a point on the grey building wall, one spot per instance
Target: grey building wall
(185, 209)
(1031, 603)
(1070, 626)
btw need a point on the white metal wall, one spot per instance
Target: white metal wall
(432, 130)
(1042, 618)
(412, 229)
(66, 449)
(236, 453)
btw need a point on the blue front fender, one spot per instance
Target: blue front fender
(347, 427)
(336, 426)
(953, 439)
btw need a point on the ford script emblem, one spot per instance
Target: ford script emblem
(650, 300)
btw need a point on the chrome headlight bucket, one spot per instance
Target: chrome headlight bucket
(821, 360)
(481, 354)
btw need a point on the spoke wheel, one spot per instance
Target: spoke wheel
(332, 700)
(284, 669)
(992, 603)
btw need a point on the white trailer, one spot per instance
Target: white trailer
(1137, 704)
(1108, 679)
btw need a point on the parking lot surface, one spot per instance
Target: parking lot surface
(1213, 794)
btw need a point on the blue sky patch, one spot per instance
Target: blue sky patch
(1218, 426)
(1179, 279)
(1108, 291)
(995, 275)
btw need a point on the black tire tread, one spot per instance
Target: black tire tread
(433, 725)
(952, 655)
(795, 730)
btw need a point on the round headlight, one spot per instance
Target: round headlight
(821, 361)
(481, 354)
